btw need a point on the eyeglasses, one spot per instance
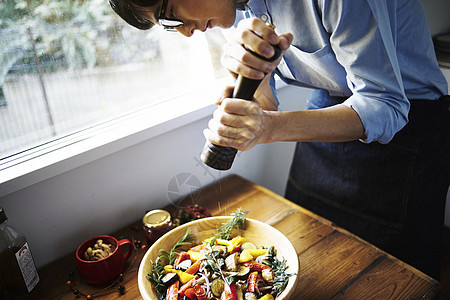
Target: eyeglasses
(168, 23)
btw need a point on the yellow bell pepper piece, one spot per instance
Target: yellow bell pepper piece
(182, 276)
(223, 242)
(245, 256)
(266, 297)
(167, 268)
(236, 241)
(257, 252)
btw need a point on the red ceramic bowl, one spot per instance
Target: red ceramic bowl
(106, 269)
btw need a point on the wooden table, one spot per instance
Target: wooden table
(334, 264)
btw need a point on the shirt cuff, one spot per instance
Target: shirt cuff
(380, 118)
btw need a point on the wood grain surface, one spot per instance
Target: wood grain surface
(334, 264)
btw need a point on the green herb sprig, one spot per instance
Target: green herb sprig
(183, 241)
(281, 277)
(155, 278)
(158, 266)
(212, 261)
(238, 221)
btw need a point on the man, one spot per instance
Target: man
(374, 144)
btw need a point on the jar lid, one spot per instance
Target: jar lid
(156, 218)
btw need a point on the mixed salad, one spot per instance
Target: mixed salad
(220, 268)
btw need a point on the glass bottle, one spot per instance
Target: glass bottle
(18, 274)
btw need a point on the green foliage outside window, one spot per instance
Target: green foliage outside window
(63, 34)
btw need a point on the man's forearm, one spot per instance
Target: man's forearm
(338, 123)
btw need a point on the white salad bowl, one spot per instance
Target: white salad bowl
(261, 234)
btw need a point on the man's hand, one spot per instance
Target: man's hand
(237, 123)
(255, 35)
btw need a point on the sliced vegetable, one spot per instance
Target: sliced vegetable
(248, 245)
(194, 268)
(190, 293)
(231, 262)
(167, 268)
(181, 257)
(257, 252)
(198, 248)
(238, 240)
(184, 265)
(252, 281)
(237, 248)
(230, 291)
(250, 296)
(242, 271)
(220, 249)
(169, 278)
(267, 275)
(217, 287)
(239, 293)
(186, 286)
(254, 266)
(229, 244)
(245, 256)
(183, 276)
(172, 291)
(199, 291)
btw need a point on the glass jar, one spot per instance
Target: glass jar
(156, 223)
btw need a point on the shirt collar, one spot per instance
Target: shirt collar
(242, 5)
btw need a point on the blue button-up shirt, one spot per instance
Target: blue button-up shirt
(378, 53)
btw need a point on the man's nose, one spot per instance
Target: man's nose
(187, 29)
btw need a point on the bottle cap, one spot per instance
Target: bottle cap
(156, 219)
(3, 216)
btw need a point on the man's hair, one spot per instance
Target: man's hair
(130, 11)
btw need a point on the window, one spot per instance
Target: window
(67, 65)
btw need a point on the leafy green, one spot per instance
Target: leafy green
(281, 277)
(215, 263)
(155, 278)
(238, 221)
(172, 255)
(158, 266)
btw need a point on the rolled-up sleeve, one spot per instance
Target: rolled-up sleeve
(364, 45)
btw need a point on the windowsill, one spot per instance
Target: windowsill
(99, 141)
